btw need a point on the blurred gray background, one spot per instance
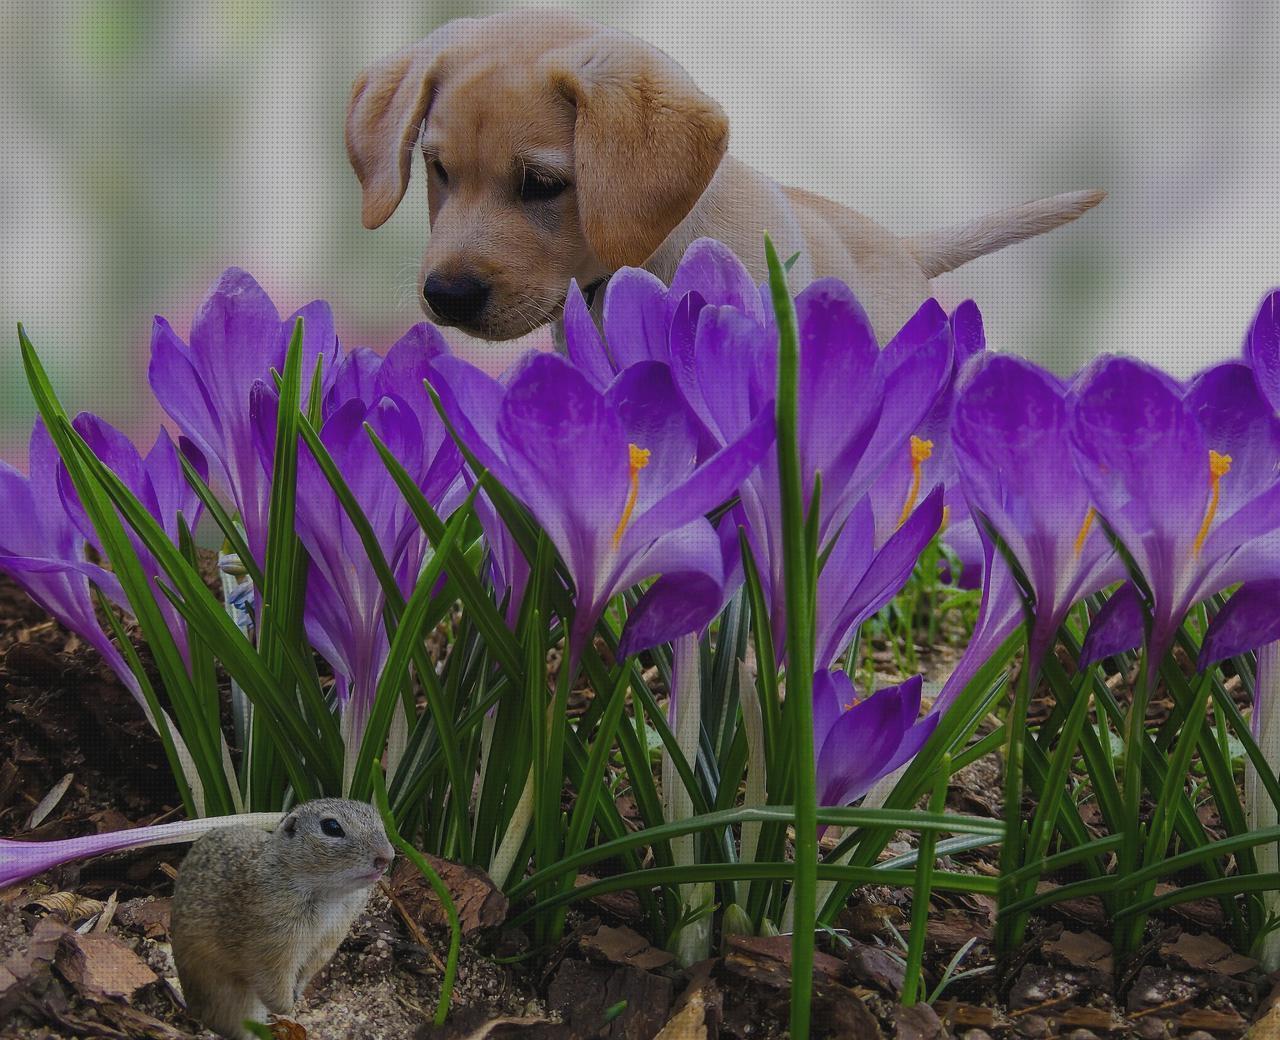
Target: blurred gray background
(148, 145)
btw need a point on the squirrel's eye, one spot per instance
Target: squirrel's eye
(536, 186)
(332, 828)
(438, 166)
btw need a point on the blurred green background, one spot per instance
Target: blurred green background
(146, 146)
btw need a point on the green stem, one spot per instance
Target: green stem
(923, 889)
(442, 893)
(800, 650)
(1011, 927)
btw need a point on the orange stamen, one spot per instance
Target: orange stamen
(1219, 467)
(638, 458)
(1085, 527)
(921, 450)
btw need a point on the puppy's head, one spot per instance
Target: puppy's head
(555, 149)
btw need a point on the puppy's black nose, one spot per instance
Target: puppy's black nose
(456, 299)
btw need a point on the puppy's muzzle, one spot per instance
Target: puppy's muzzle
(458, 300)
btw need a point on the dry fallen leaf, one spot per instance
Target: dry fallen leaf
(69, 906)
(1267, 1027)
(100, 966)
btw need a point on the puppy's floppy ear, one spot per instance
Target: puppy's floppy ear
(646, 142)
(389, 102)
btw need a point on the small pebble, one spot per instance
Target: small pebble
(1032, 1026)
(1151, 1028)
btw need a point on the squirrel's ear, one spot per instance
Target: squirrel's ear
(290, 825)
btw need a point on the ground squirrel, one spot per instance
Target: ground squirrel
(257, 914)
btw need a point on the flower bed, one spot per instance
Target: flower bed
(709, 517)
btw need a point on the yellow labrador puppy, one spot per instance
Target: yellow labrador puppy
(557, 149)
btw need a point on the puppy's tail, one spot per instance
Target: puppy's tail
(946, 249)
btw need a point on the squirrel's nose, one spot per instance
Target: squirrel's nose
(383, 860)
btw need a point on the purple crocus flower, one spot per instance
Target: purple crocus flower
(1187, 480)
(612, 477)
(1009, 427)
(158, 482)
(858, 408)
(345, 600)
(44, 552)
(909, 476)
(858, 741)
(884, 535)
(639, 308)
(236, 339)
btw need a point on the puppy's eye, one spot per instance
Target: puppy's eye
(538, 187)
(441, 172)
(332, 827)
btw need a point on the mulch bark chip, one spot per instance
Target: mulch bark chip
(479, 902)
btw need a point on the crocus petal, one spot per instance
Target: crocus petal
(1262, 348)
(708, 486)
(404, 372)
(118, 452)
(172, 492)
(472, 400)
(914, 368)
(677, 604)
(1116, 629)
(838, 353)
(635, 317)
(1248, 620)
(967, 332)
(235, 338)
(866, 742)
(1237, 421)
(883, 577)
(1009, 432)
(181, 391)
(655, 418)
(734, 362)
(998, 618)
(962, 538)
(354, 378)
(714, 272)
(568, 460)
(319, 343)
(1142, 454)
(583, 341)
(694, 546)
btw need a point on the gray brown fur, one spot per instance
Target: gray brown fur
(257, 914)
